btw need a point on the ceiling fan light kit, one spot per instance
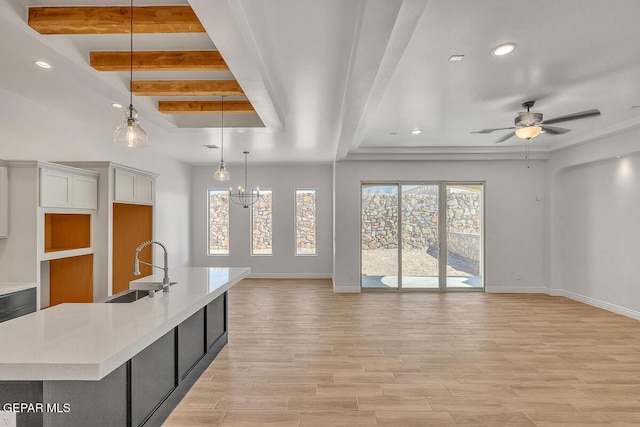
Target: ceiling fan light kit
(129, 133)
(528, 132)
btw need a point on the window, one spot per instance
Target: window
(305, 222)
(262, 224)
(218, 222)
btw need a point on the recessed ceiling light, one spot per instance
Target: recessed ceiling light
(454, 58)
(503, 49)
(42, 64)
(617, 157)
(116, 105)
(416, 131)
(393, 133)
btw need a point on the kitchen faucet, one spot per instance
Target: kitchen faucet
(165, 280)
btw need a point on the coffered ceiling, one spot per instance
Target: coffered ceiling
(314, 81)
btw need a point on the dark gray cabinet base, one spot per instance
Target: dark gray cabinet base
(143, 391)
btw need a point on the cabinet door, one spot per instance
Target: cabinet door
(4, 202)
(143, 189)
(85, 192)
(55, 189)
(152, 377)
(124, 186)
(190, 343)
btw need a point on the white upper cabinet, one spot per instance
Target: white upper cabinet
(144, 189)
(4, 202)
(133, 187)
(55, 188)
(85, 192)
(65, 188)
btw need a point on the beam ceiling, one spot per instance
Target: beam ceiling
(205, 107)
(186, 88)
(188, 60)
(114, 20)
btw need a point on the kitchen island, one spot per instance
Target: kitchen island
(125, 364)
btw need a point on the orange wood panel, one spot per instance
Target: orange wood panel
(66, 231)
(71, 279)
(132, 225)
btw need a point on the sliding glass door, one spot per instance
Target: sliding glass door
(422, 236)
(464, 236)
(380, 236)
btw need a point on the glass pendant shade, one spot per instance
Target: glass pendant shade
(129, 133)
(221, 174)
(528, 132)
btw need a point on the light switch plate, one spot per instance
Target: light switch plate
(7, 419)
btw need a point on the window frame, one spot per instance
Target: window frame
(228, 192)
(295, 220)
(262, 191)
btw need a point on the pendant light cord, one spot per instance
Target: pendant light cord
(245, 171)
(222, 129)
(131, 59)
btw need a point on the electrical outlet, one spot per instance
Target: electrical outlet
(518, 277)
(7, 419)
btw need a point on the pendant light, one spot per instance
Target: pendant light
(221, 174)
(242, 196)
(129, 133)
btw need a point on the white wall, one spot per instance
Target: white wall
(283, 181)
(594, 227)
(515, 216)
(50, 134)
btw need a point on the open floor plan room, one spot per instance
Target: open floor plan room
(301, 355)
(320, 212)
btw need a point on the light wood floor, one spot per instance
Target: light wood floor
(300, 355)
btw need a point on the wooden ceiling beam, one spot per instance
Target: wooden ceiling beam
(187, 88)
(187, 60)
(205, 107)
(114, 20)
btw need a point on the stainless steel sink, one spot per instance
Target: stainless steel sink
(127, 296)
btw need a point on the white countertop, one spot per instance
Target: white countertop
(8, 287)
(88, 341)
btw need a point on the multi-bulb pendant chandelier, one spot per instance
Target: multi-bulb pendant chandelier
(244, 196)
(221, 174)
(129, 133)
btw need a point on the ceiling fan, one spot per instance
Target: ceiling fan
(528, 125)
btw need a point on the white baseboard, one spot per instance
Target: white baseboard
(596, 303)
(346, 290)
(554, 292)
(516, 289)
(290, 276)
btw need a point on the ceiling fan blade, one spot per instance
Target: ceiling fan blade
(555, 130)
(484, 131)
(574, 116)
(504, 138)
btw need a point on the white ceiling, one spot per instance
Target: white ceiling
(350, 79)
